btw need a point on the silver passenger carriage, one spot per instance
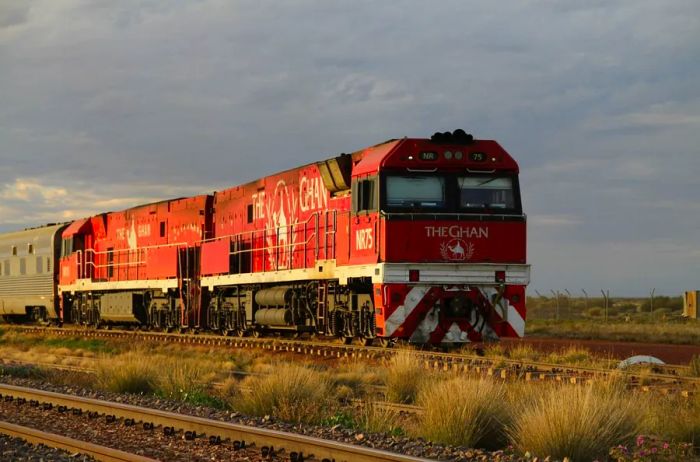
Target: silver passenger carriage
(29, 273)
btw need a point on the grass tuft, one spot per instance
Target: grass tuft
(404, 377)
(694, 366)
(291, 393)
(581, 423)
(183, 379)
(376, 419)
(128, 373)
(465, 412)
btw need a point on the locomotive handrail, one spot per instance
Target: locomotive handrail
(295, 228)
(80, 264)
(273, 228)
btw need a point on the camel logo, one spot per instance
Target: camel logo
(457, 250)
(280, 211)
(131, 236)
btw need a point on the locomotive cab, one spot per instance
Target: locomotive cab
(443, 220)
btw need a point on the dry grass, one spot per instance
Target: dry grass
(292, 393)
(376, 419)
(404, 377)
(672, 418)
(658, 332)
(355, 378)
(465, 412)
(581, 423)
(181, 379)
(694, 366)
(572, 355)
(141, 372)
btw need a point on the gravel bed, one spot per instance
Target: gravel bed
(18, 450)
(132, 439)
(400, 444)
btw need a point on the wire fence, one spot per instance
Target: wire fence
(602, 306)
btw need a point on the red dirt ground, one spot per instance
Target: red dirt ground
(670, 354)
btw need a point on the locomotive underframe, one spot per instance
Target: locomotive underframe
(322, 307)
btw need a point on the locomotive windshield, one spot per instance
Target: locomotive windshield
(450, 193)
(486, 192)
(415, 191)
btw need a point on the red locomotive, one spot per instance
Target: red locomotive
(416, 239)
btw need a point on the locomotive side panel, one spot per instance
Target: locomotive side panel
(139, 265)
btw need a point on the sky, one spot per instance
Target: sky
(105, 105)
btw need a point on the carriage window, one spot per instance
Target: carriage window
(6, 267)
(39, 265)
(486, 192)
(14, 250)
(415, 191)
(22, 266)
(30, 249)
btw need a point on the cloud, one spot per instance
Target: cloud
(14, 14)
(28, 190)
(35, 201)
(117, 103)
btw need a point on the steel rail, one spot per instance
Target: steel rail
(53, 440)
(324, 450)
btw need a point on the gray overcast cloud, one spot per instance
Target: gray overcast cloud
(106, 104)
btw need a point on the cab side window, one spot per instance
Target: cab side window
(364, 195)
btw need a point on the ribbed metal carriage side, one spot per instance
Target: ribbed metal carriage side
(28, 269)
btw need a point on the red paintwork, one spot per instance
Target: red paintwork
(129, 246)
(429, 241)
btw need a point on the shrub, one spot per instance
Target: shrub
(594, 312)
(404, 377)
(465, 412)
(581, 423)
(292, 393)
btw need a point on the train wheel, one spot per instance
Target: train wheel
(385, 342)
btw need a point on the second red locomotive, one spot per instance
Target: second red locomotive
(416, 239)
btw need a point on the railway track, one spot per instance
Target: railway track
(72, 445)
(290, 446)
(503, 368)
